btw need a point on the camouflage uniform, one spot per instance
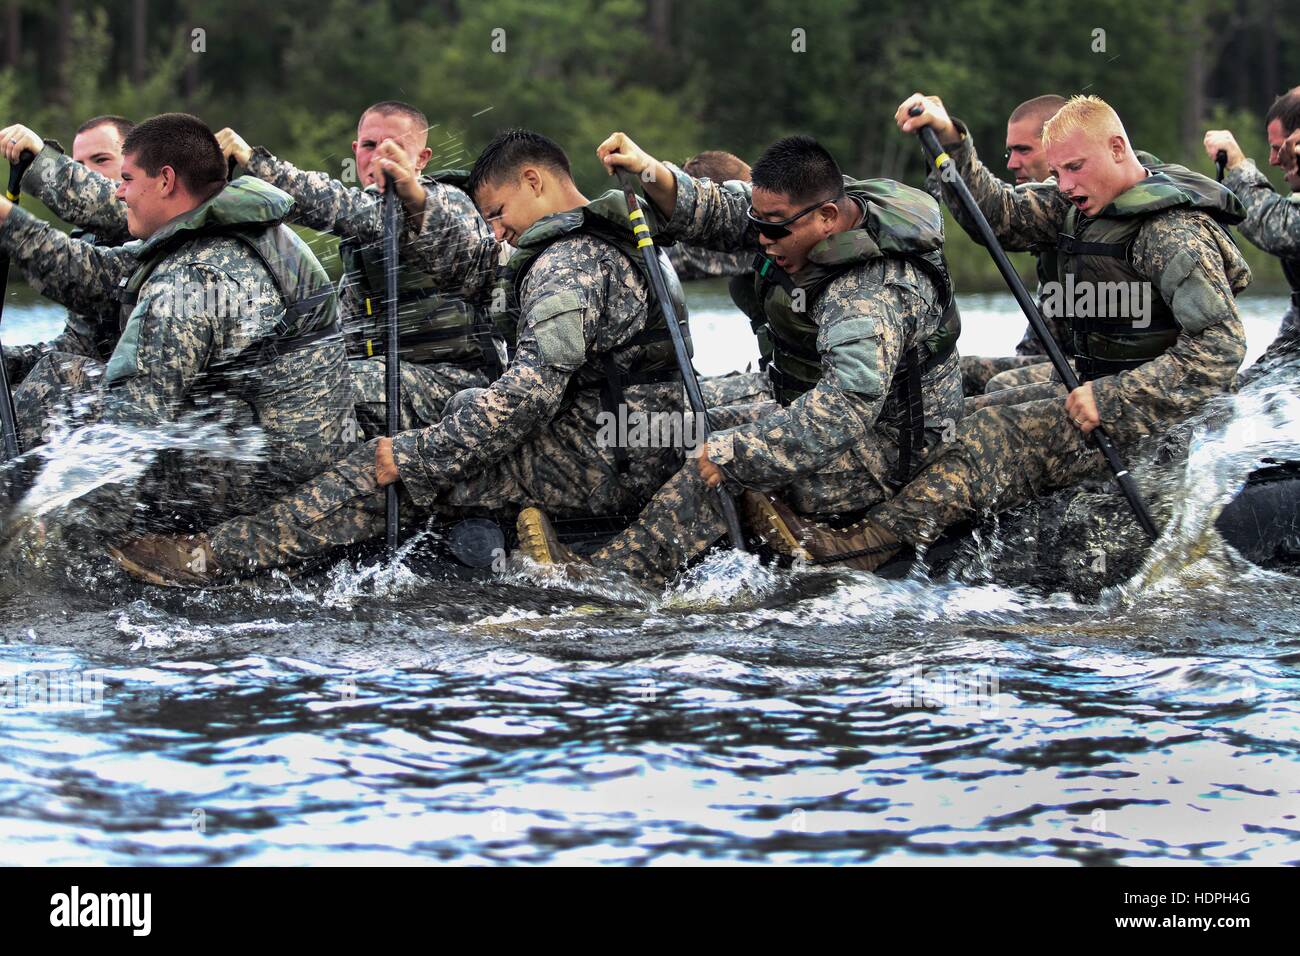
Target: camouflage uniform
(185, 353)
(327, 205)
(691, 262)
(1005, 456)
(65, 370)
(978, 370)
(1273, 224)
(835, 448)
(530, 438)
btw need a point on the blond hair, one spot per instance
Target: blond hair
(1091, 114)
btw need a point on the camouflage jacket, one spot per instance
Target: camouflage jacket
(580, 300)
(1043, 262)
(184, 326)
(85, 199)
(1273, 224)
(1191, 262)
(693, 263)
(866, 319)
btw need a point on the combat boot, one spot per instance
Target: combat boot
(863, 546)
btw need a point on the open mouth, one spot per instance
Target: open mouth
(1079, 201)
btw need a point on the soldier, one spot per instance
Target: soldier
(863, 353)
(446, 344)
(57, 372)
(591, 343)
(1272, 220)
(1025, 162)
(1116, 221)
(692, 262)
(229, 319)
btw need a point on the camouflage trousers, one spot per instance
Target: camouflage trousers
(684, 520)
(1003, 456)
(978, 370)
(345, 505)
(1040, 371)
(426, 389)
(60, 385)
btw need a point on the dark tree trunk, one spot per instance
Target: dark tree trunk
(13, 34)
(139, 31)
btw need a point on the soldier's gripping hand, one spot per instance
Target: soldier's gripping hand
(1081, 406)
(233, 146)
(710, 472)
(14, 139)
(1222, 139)
(385, 463)
(393, 161)
(933, 113)
(619, 152)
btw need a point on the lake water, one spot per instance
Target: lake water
(749, 715)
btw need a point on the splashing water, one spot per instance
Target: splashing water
(77, 461)
(1263, 422)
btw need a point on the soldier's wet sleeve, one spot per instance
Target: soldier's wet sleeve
(1022, 217)
(76, 193)
(452, 243)
(861, 321)
(164, 348)
(1272, 220)
(711, 215)
(1194, 267)
(77, 338)
(320, 202)
(562, 301)
(77, 274)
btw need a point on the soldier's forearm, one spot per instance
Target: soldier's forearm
(1272, 220)
(74, 273)
(1020, 218)
(75, 193)
(708, 215)
(320, 203)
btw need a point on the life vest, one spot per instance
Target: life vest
(899, 221)
(1097, 250)
(260, 374)
(431, 327)
(606, 218)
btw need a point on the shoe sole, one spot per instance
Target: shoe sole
(531, 528)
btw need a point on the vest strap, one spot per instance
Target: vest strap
(1068, 245)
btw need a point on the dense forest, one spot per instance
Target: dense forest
(678, 76)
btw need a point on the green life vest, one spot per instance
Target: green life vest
(249, 211)
(900, 221)
(1096, 250)
(431, 327)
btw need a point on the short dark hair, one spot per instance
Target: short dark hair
(182, 142)
(1040, 109)
(1287, 109)
(798, 167)
(510, 150)
(119, 123)
(397, 108)
(717, 165)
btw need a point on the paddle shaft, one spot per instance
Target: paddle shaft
(942, 162)
(726, 504)
(8, 421)
(1220, 164)
(392, 368)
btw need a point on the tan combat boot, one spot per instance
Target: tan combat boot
(538, 540)
(863, 546)
(185, 561)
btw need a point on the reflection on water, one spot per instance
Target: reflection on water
(749, 714)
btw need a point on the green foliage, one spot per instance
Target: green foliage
(728, 74)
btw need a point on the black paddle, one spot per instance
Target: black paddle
(392, 371)
(646, 243)
(942, 161)
(1220, 164)
(8, 423)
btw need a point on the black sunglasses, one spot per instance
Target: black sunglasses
(777, 229)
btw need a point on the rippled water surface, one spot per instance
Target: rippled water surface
(749, 715)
